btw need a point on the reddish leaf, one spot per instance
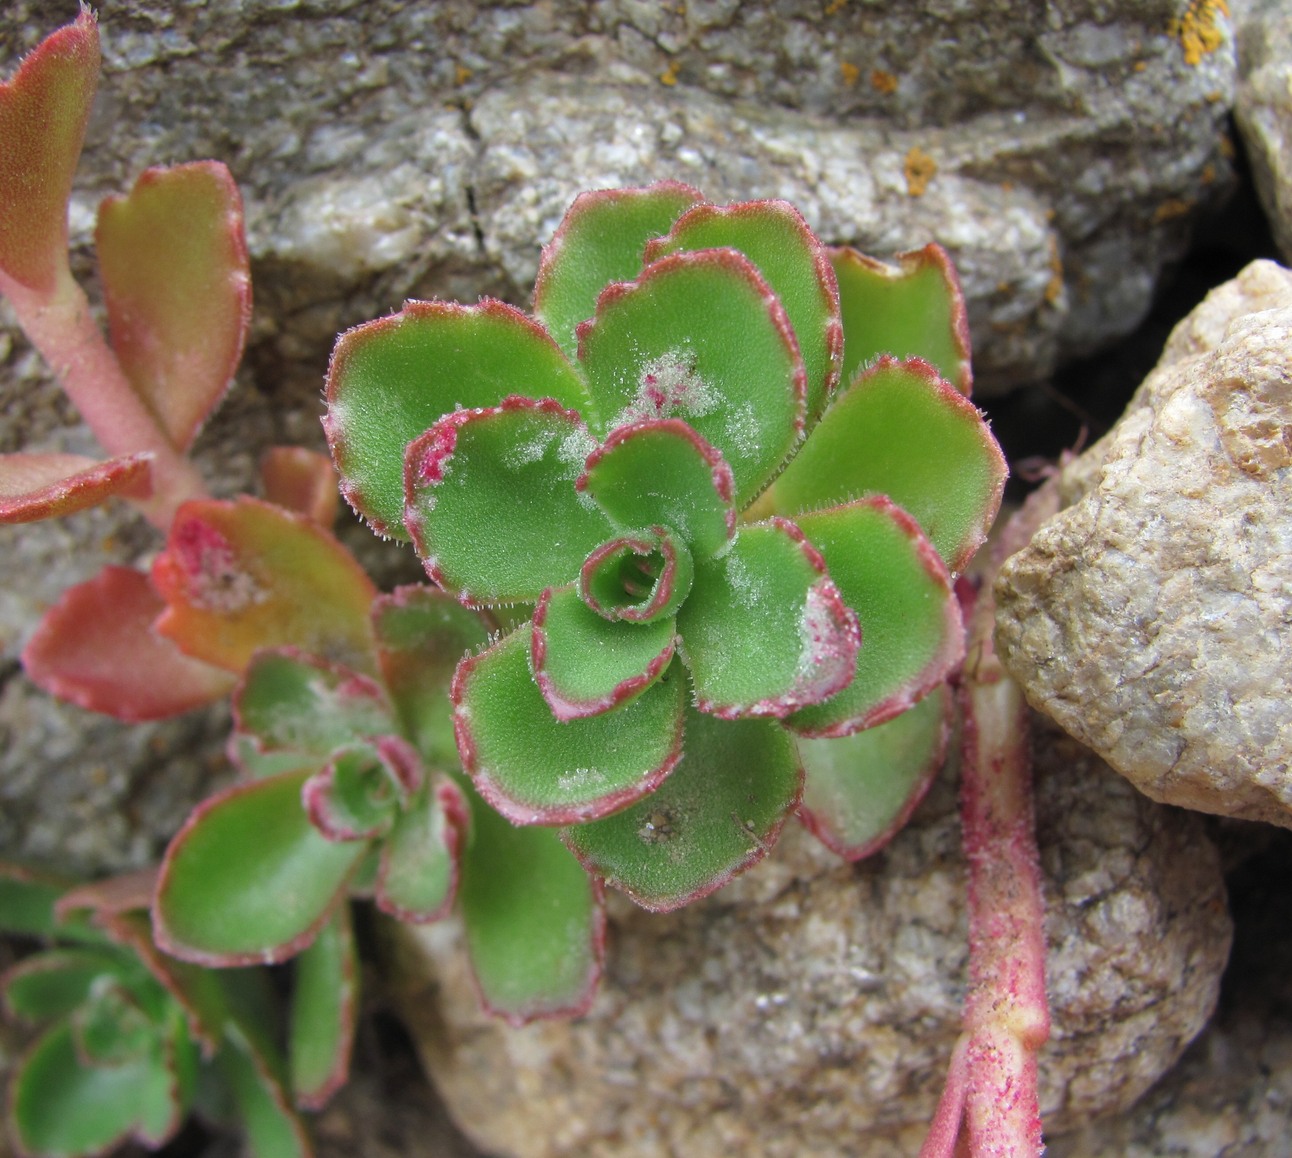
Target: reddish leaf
(245, 575)
(44, 486)
(173, 259)
(301, 480)
(43, 114)
(96, 648)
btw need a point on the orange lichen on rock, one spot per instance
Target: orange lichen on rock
(919, 168)
(1054, 287)
(1199, 30)
(834, 6)
(850, 71)
(883, 81)
(1170, 209)
(669, 75)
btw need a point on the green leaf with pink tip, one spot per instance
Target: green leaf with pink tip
(422, 633)
(701, 337)
(324, 1010)
(46, 486)
(391, 379)
(861, 789)
(901, 431)
(764, 630)
(536, 769)
(913, 638)
(585, 664)
(241, 576)
(43, 113)
(297, 707)
(248, 878)
(774, 236)
(491, 501)
(177, 286)
(52, 984)
(534, 920)
(697, 501)
(417, 877)
(96, 648)
(64, 1107)
(599, 241)
(718, 814)
(911, 310)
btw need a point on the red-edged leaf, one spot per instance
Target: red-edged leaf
(860, 790)
(324, 1011)
(492, 505)
(719, 813)
(391, 379)
(913, 636)
(359, 792)
(254, 1075)
(536, 769)
(637, 578)
(417, 877)
(44, 486)
(600, 241)
(765, 630)
(177, 285)
(701, 337)
(300, 480)
(241, 576)
(51, 984)
(43, 113)
(96, 648)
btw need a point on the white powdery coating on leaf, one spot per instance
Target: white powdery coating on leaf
(531, 451)
(744, 430)
(825, 659)
(668, 387)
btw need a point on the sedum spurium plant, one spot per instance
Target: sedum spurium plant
(131, 1040)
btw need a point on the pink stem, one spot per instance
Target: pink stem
(992, 1079)
(60, 326)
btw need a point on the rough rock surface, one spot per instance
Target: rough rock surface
(810, 1008)
(1150, 617)
(1263, 108)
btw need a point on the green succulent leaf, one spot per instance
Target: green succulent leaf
(417, 877)
(641, 577)
(774, 236)
(241, 576)
(249, 879)
(720, 812)
(491, 501)
(422, 633)
(700, 337)
(358, 793)
(600, 240)
(43, 113)
(111, 1028)
(861, 789)
(392, 379)
(899, 587)
(253, 1074)
(900, 430)
(27, 900)
(52, 984)
(697, 502)
(177, 285)
(64, 1107)
(912, 310)
(534, 920)
(292, 710)
(765, 631)
(586, 664)
(535, 769)
(324, 1009)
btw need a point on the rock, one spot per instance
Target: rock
(1263, 108)
(811, 1007)
(1147, 618)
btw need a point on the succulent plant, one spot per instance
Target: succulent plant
(132, 1039)
(726, 566)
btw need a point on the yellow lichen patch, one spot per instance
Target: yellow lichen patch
(1171, 208)
(1140, 65)
(883, 81)
(851, 73)
(461, 74)
(919, 168)
(1054, 287)
(1199, 30)
(669, 75)
(834, 6)
(1208, 174)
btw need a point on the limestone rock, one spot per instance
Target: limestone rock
(1148, 617)
(810, 1007)
(1263, 109)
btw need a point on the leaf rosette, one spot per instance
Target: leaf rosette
(717, 544)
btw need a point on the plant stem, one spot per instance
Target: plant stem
(60, 325)
(990, 1095)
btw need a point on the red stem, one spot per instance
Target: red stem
(60, 326)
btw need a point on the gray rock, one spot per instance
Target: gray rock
(1263, 108)
(811, 1007)
(1148, 617)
